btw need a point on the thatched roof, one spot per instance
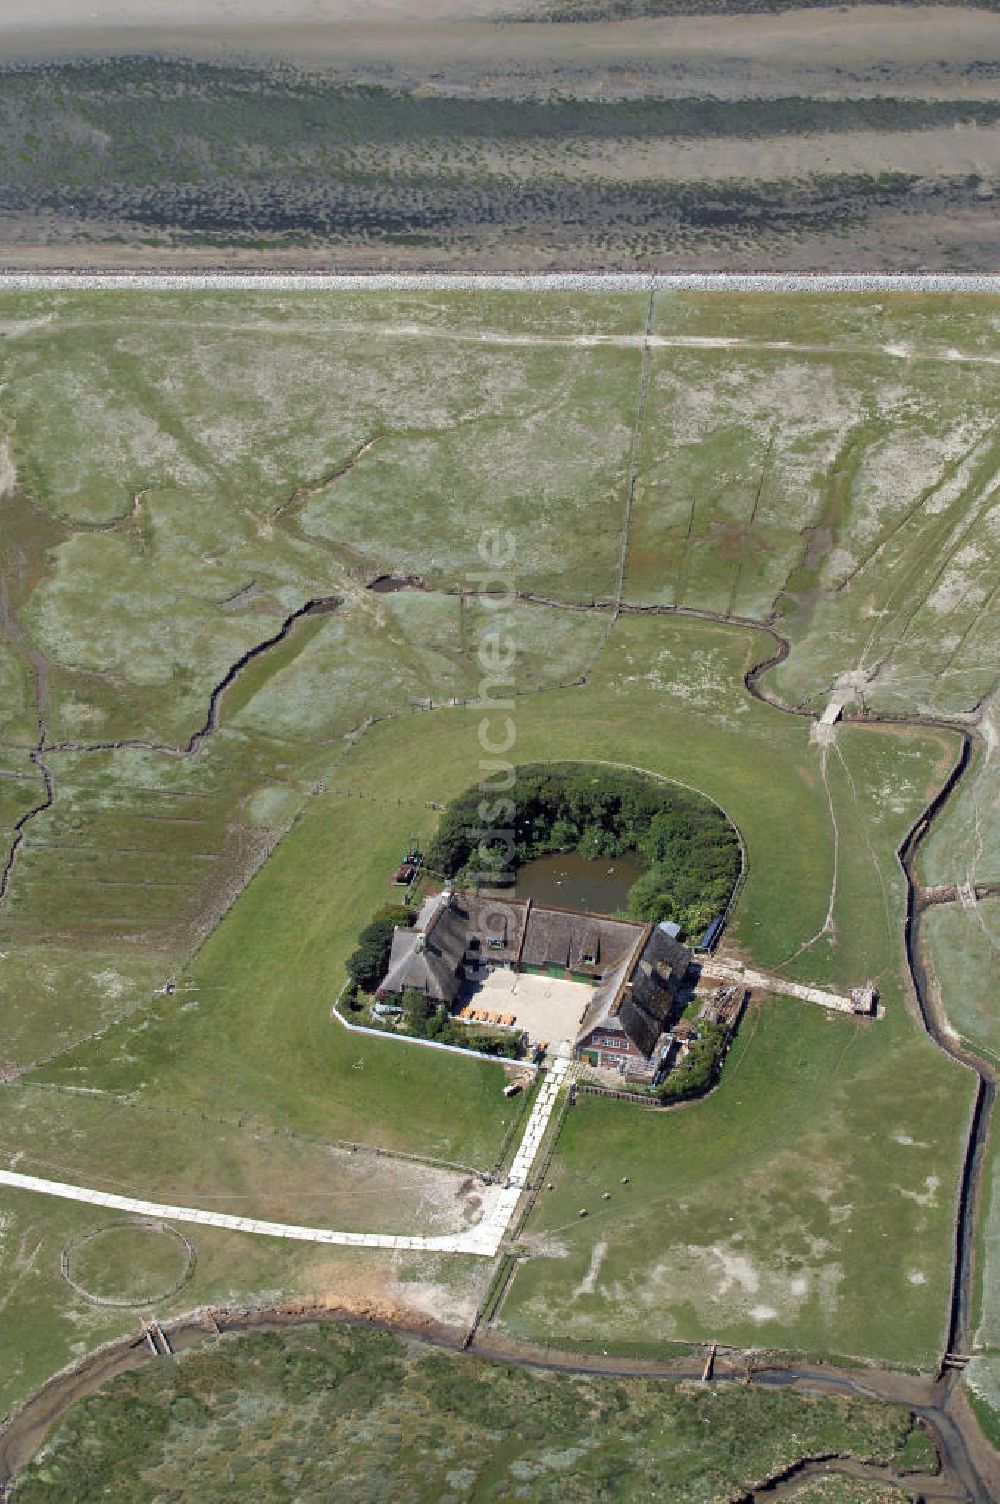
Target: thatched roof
(454, 935)
(564, 937)
(638, 967)
(424, 958)
(639, 995)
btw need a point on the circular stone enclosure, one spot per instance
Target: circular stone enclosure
(136, 1263)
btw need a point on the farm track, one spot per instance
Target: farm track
(939, 1402)
(645, 340)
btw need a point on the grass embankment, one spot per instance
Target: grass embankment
(306, 1413)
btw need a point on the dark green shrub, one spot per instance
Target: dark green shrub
(698, 1069)
(367, 965)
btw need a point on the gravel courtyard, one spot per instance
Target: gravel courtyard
(546, 1008)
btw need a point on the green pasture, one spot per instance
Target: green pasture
(829, 1187)
(963, 948)
(230, 418)
(397, 653)
(843, 1115)
(142, 845)
(847, 489)
(964, 844)
(960, 948)
(21, 788)
(52, 997)
(911, 324)
(47, 1325)
(249, 1030)
(15, 697)
(206, 1156)
(982, 1376)
(130, 1263)
(836, 1489)
(832, 462)
(142, 841)
(807, 1204)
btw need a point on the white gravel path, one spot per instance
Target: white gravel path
(469, 282)
(483, 1240)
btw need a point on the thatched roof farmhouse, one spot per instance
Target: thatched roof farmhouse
(635, 969)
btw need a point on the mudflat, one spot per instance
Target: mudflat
(902, 50)
(476, 135)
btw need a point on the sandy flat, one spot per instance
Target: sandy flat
(224, 15)
(231, 14)
(464, 48)
(940, 152)
(919, 51)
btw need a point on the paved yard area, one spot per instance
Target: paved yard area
(546, 1008)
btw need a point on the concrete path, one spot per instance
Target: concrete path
(732, 971)
(483, 1239)
(767, 282)
(545, 1101)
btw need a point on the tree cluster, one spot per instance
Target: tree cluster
(426, 1019)
(368, 963)
(697, 1071)
(692, 849)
